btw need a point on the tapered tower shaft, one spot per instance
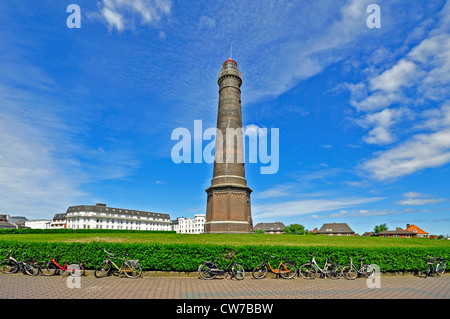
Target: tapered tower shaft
(228, 205)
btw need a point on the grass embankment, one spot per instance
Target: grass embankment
(229, 240)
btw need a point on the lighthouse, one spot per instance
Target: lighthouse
(228, 208)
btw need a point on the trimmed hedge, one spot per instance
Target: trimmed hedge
(187, 257)
(8, 231)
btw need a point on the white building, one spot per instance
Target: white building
(101, 217)
(38, 224)
(191, 225)
(59, 221)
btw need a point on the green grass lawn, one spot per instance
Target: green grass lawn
(225, 239)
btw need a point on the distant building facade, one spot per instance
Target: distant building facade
(38, 223)
(419, 232)
(5, 222)
(59, 221)
(335, 229)
(18, 220)
(271, 228)
(100, 216)
(191, 225)
(398, 232)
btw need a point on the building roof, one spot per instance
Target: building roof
(102, 208)
(333, 228)
(416, 229)
(60, 216)
(397, 231)
(270, 226)
(230, 60)
(368, 233)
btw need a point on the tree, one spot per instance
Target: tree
(295, 229)
(379, 229)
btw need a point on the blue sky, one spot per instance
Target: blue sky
(86, 114)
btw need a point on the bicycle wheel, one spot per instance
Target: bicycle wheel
(349, 272)
(9, 266)
(48, 269)
(102, 270)
(31, 268)
(132, 269)
(75, 269)
(238, 272)
(368, 271)
(308, 271)
(260, 271)
(334, 271)
(288, 270)
(204, 270)
(440, 268)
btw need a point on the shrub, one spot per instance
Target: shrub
(187, 257)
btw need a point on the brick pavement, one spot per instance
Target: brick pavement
(19, 286)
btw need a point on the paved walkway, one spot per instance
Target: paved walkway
(19, 286)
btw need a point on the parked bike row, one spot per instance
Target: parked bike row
(112, 265)
(281, 266)
(284, 268)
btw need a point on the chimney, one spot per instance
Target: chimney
(407, 225)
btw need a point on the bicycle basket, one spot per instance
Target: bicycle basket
(430, 261)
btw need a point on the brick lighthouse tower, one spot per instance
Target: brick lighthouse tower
(228, 204)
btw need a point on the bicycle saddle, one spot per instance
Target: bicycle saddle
(361, 259)
(126, 254)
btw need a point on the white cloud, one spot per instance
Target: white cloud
(435, 119)
(418, 153)
(422, 201)
(361, 213)
(122, 14)
(32, 182)
(114, 19)
(306, 206)
(412, 195)
(382, 123)
(420, 77)
(276, 191)
(43, 165)
(400, 75)
(416, 199)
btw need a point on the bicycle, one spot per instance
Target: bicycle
(436, 266)
(51, 267)
(311, 268)
(285, 269)
(10, 265)
(131, 268)
(209, 269)
(350, 271)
